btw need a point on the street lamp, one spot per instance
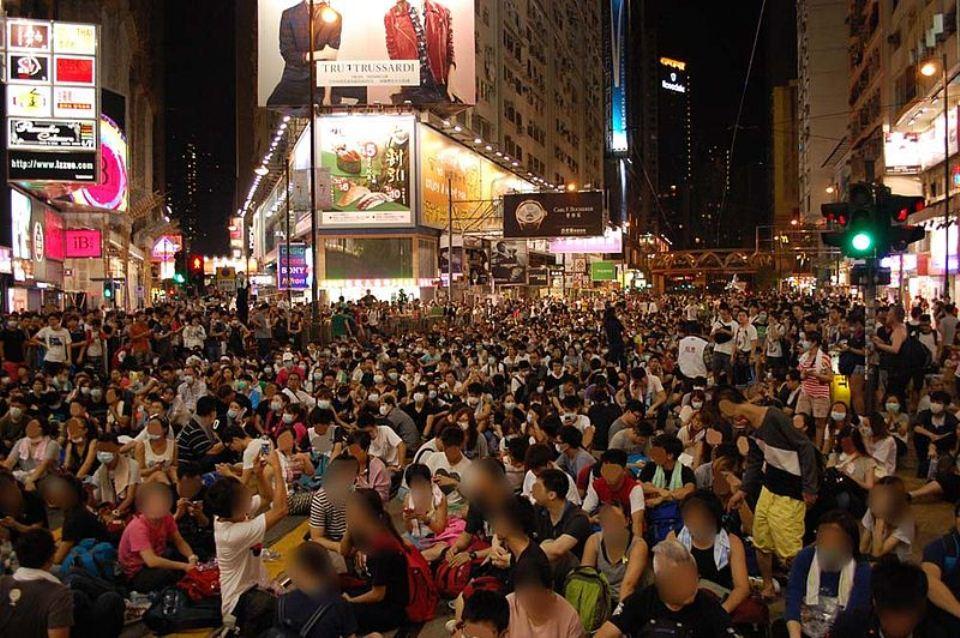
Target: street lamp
(929, 69)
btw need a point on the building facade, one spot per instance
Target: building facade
(822, 110)
(131, 80)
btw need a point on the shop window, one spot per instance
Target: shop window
(369, 258)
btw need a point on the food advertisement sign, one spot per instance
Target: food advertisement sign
(370, 52)
(533, 215)
(52, 78)
(370, 162)
(474, 179)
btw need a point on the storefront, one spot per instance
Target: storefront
(37, 255)
(385, 187)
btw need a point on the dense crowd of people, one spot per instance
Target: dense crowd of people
(620, 466)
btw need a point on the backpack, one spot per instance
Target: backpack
(589, 593)
(451, 581)
(662, 520)
(913, 356)
(201, 582)
(422, 604)
(96, 559)
(422, 594)
(174, 612)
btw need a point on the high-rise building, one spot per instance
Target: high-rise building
(823, 112)
(675, 147)
(785, 156)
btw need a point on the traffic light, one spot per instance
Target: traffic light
(871, 223)
(195, 265)
(196, 268)
(109, 291)
(180, 267)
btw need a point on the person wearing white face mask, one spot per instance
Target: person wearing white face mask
(13, 423)
(935, 432)
(400, 421)
(192, 388)
(115, 481)
(157, 456)
(33, 456)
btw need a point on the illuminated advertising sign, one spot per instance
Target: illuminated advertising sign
(610, 242)
(112, 191)
(42, 135)
(292, 269)
(473, 177)
(673, 76)
(52, 75)
(603, 271)
(75, 70)
(165, 248)
(615, 56)
(28, 34)
(37, 232)
(83, 243)
(536, 215)
(29, 101)
(370, 163)
(75, 38)
(28, 67)
(902, 153)
(370, 52)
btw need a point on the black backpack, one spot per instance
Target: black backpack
(913, 356)
(174, 612)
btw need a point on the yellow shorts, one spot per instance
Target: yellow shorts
(778, 524)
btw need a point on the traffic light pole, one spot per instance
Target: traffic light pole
(870, 329)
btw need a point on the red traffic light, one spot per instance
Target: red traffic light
(195, 264)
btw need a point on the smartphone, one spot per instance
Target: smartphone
(264, 448)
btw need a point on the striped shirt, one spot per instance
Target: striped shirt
(328, 516)
(819, 363)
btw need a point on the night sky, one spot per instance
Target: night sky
(715, 39)
(200, 116)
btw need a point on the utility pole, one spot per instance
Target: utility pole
(449, 239)
(314, 297)
(286, 166)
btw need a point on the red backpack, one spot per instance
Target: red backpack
(203, 581)
(423, 597)
(451, 580)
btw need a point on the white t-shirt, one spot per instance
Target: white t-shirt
(690, 357)
(727, 346)
(746, 336)
(384, 447)
(240, 569)
(530, 478)
(252, 452)
(55, 342)
(438, 461)
(322, 443)
(581, 422)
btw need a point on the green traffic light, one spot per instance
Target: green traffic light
(178, 278)
(861, 241)
(107, 293)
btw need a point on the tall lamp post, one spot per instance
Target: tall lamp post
(929, 69)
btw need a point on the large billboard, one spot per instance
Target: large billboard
(367, 52)
(477, 182)
(673, 75)
(292, 268)
(545, 215)
(617, 17)
(37, 233)
(370, 163)
(52, 102)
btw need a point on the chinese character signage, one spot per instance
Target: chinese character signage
(370, 163)
(52, 106)
(292, 269)
(544, 215)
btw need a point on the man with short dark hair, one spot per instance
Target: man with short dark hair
(563, 528)
(197, 442)
(33, 602)
(485, 613)
(573, 458)
(898, 596)
(616, 483)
